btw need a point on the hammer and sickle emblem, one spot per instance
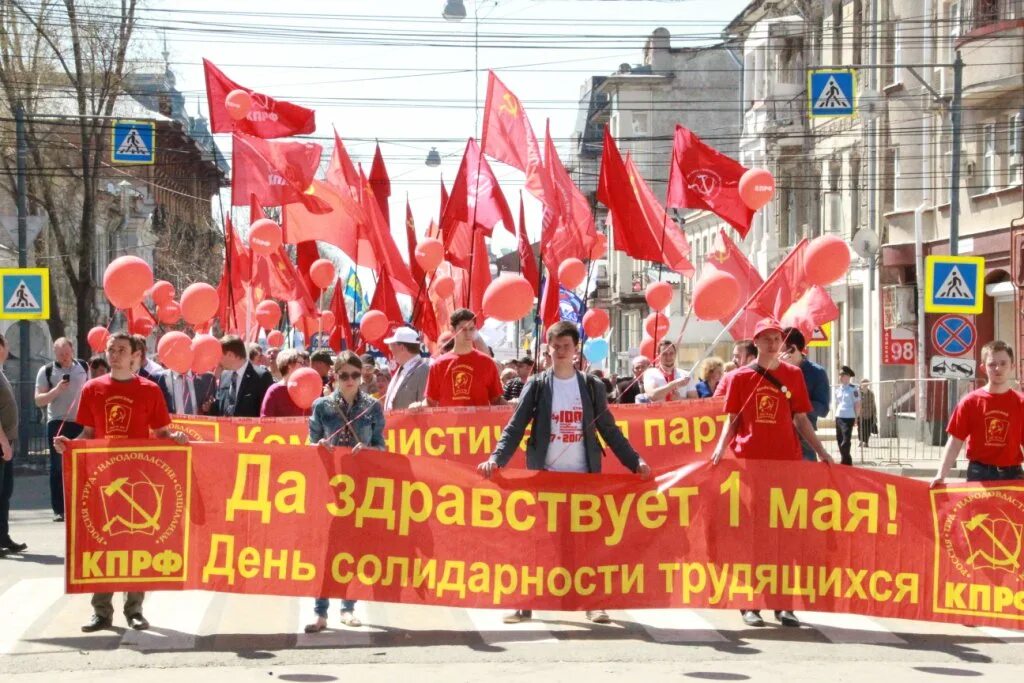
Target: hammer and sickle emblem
(720, 256)
(509, 105)
(1001, 557)
(149, 521)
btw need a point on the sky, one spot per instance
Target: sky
(396, 72)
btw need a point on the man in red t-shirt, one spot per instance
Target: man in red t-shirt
(767, 404)
(120, 405)
(465, 376)
(990, 420)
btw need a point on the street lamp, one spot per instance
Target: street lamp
(454, 10)
(433, 158)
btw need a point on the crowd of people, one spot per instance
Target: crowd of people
(772, 392)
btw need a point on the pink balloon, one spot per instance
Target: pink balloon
(327, 321)
(143, 325)
(647, 348)
(206, 353)
(168, 312)
(126, 280)
(304, 386)
(826, 260)
(265, 236)
(595, 322)
(429, 254)
(571, 273)
(321, 272)
(715, 296)
(275, 338)
(508, 298)
(268, 314)
(97, 339)
(161, 292)
(373, 326)
(238, 103)
(199, 303)
(444, 286)
(656, 325)
(659, 295)
(757, 187)
(175, 351)
(600, 247)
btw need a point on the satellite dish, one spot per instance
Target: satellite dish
(865, 243)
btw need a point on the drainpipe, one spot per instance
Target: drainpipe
(921, 327)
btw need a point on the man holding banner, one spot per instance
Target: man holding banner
(563, 406)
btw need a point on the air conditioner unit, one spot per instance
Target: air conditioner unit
(899, 306)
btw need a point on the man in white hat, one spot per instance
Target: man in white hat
(410, 378)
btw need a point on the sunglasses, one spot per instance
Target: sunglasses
(346, 376)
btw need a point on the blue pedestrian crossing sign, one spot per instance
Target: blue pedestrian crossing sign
(831, 92)
(26, 293)
(133, 142)
(954, 284)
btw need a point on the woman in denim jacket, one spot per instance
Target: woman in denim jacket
(351, 418)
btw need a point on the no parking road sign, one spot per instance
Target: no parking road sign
(26, 293)
(954, 335)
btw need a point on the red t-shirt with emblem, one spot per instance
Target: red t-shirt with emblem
(766, 428)
(469, 379)
(122, 409)
(992, 426)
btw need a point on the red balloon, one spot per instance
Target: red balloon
(238, 103)
(307, 325)
(97, 339)
(206, 353)
(126, 281)
(175, 351)
(826, 260)
(595, 322)
(321, 272)
(571, 273)
(169, 312)
(659, 295)
(656, 325)
(429, 254)
(304, 386)
(508, 298)
(647, 348)
(444, 286)
(373, 326)
(264, 236)
(161, 292)
(757, 187)
(268, 314)
(600, 247)
(143, 325)
(327, 321)
(716, 295)
(199, 303)
(275, 338)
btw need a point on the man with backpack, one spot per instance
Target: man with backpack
(568, 409)
(58, 389)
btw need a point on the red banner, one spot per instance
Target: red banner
(665, 434)
(302, 521)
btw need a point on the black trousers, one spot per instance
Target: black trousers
(979, 471)
(64, 428)
(844, 435)
(6, 489)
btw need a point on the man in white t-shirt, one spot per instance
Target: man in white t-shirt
(664, 381)
(567, 409)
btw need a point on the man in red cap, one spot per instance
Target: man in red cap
(767, 404)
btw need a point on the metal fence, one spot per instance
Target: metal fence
(36, 421)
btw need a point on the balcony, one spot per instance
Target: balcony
(992, 45)
(984, 17)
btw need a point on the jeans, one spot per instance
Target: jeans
(6, 489)
(103, 605)
(979, 471)
(321, 605)
(64, 428)
(844, 435)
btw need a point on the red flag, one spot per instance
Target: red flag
(378, 232)
(508, 136)
(550, 307)
(234, 280)
(278, 173)
(444, 202)
(424, 317)
(381, 184)
(341, 335)
(305, 254)
(341, 226)
(727, 257)
(813, 309)
(568, 227)
(275, 275)
(784, 285)
(527, 260)
(619, 188)
(385, 301)
(480, 277)
(701, 177)
(268, 118)
(410, 239)
(341, 172)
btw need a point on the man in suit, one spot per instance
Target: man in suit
(410, 378)
(242, 385)
(187, 394)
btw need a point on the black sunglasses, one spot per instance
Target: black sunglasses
(346, 376)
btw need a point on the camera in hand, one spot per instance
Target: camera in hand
(65, 378)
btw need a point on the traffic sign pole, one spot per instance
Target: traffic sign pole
(24, 381)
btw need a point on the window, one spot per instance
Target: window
(837, 32)
(990, 161)
(953, 29)
(1016, 148)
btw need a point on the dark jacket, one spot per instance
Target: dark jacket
(203, 383)
(248, 398)
(534, 409)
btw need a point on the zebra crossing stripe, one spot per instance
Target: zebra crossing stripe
(22, 604)
(676, 626)
(177, 621)
(850, 628)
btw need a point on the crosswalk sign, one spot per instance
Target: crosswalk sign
(25, 293)
(954, 284)
(133, 142)
(831, 92)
